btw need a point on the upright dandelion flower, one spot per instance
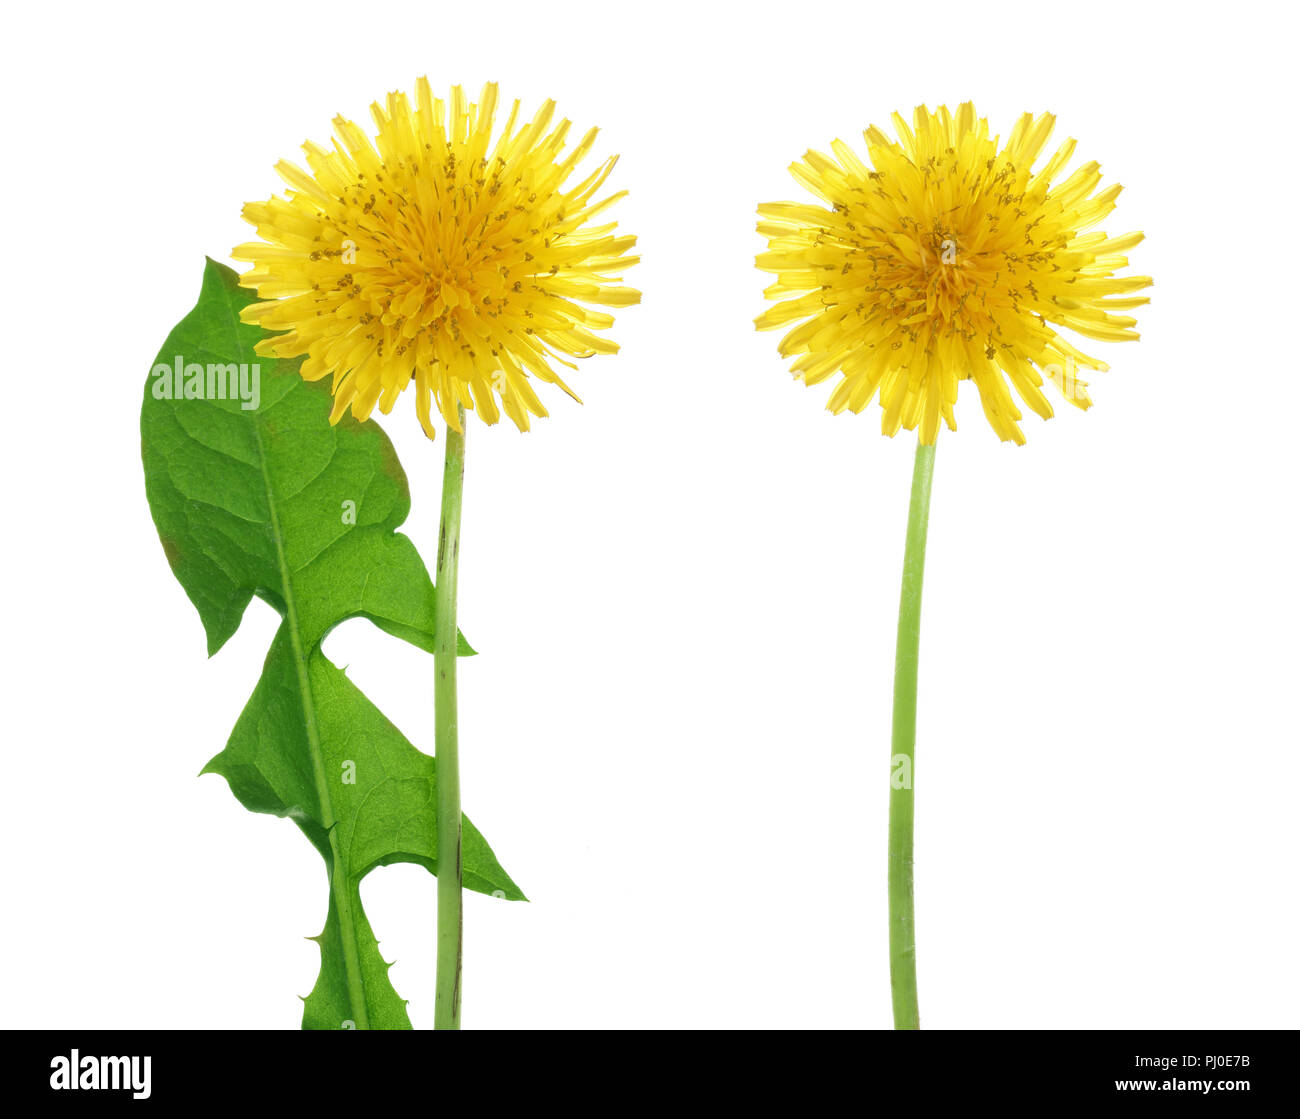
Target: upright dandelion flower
(440, 257)
(467, 265)
(946, 258)
(943, 258)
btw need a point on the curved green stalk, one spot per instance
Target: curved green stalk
(902, 913)
(446, 1015)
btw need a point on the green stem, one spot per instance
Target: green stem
(902, 912)
(446, 1014)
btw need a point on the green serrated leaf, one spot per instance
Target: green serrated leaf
(378, 789)
(273, 501)
(254, 501)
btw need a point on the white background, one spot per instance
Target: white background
(676, 736)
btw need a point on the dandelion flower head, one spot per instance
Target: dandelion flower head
(946, 257)
(438, 257)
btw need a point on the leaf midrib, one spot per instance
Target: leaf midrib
(338, 870)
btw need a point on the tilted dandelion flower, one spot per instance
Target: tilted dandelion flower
(947, 258)
(438, 257)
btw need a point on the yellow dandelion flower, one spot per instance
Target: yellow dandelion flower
(947, 258)
(437, 256)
